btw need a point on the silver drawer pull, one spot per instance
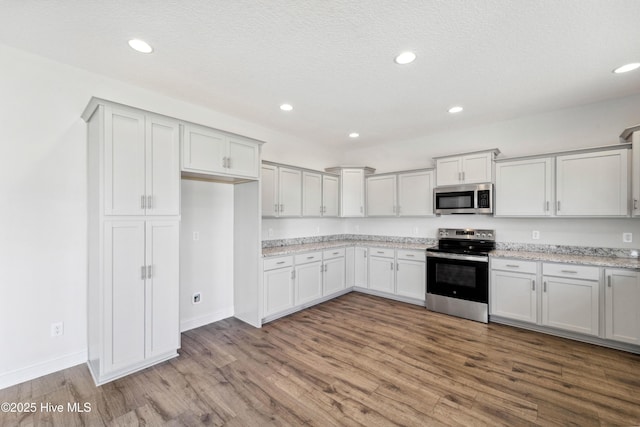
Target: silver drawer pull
(569, 271)
(410, 255)
(310, 257)
(336, 253)
(281, 262)
(513, 265)
(380, 252)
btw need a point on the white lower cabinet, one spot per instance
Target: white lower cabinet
(137, 322)
(360, 267)
(278, 281)
(411, 273)
(622, 305)
(308, 277)
(570, 298)
(513, 290)
(382, 270)
(334, 269)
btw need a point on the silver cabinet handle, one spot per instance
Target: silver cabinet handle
(280, 262)
(149, 202)
(224, 162)
(361, 209)
(547, 209)
(569, 271)
(463, 176)
(142, 202)
(281, 208)
(228, 162)
(609, 281)
(392, 266)
(293, 274)
(364, 253)
(533, 285)
(310, 257)
(513, 265)
(143, 272)
(544, 286)
(410, 255)
(558, 205)
(336, 253)
(149, 272)
(635, 204)
(380, 252)
(397, 266)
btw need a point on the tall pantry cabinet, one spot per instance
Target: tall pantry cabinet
(133, 228)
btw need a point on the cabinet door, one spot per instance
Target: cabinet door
(381, 274)
(381, 195)
(162, 166)
(411, 279)
(334, 275)
(349, 267)
(361, 267)
(415, 194)
(124, 293)
(514, 296)
(592, 184)
(278, 290)
(477, 168)
(449, 171)
(203, 150)
(269, 188)
(290, 192)
(622, 306)
(570, 304)
(311, 194)
(330, 195)
(243, 157)
(308, 282)
(162, 287)
(124, 157)
(352, 193)
(524, 188)
(635, 171)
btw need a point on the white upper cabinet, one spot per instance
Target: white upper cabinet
(352, 189)
(141, 159)
(330, 195)
(524, 187)
(269, 185)
(312, 194)
(415, 193)
(210, 152)
(381, 195)
(289, 192)
(632, 135)
(465, 169)
(592, 184)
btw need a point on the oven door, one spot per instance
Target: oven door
(458, 276)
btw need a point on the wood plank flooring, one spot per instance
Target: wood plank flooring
(355, 360)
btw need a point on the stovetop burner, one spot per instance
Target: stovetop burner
(465, 241)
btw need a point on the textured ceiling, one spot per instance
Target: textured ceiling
(333, 59)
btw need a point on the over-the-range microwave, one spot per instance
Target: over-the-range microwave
(464, 199)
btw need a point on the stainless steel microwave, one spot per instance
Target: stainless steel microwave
(464, 199)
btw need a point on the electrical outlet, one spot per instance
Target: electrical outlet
(57, 329)
(535, 235)
(196, 236)
(196, 298)
(627, 237)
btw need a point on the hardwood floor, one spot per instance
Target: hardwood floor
(355, 360)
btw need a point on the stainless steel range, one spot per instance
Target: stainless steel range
(458, 273)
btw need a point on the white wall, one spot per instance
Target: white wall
(206, 264)
(43, 250)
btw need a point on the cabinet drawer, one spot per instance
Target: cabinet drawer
(334, 253)
(309, 257)
(411, 255)
(382, 252)
(513, 265)
(571, 270)
(277, 262)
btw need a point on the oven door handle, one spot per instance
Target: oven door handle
(446, 255)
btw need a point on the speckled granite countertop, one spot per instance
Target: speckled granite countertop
(319, 246)
(597, 261)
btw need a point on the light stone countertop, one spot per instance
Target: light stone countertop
(310, 247)
(598, 261)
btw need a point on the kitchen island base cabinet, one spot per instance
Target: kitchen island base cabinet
(622, 306)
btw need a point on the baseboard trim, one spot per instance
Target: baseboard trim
(40, 369)
(187, 325)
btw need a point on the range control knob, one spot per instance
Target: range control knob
(489, 235)
(483, 235)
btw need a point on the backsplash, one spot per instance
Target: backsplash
(503, 246)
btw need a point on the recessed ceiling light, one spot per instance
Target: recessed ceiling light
(627, 68)
(140, 46)
(456, 109)
(286, 107)
(405, 58)
(354, 135)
